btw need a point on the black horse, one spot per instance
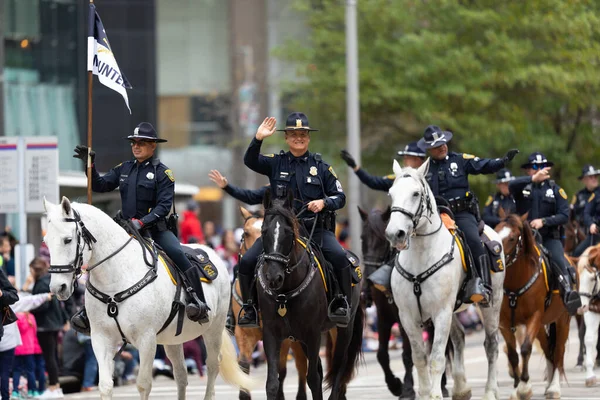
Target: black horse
(376, 252)
(293, 302)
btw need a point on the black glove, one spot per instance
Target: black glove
(348, 158)
(510, 155)
(137, 224)
(81, 152)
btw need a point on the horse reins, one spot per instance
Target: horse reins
(512, 257)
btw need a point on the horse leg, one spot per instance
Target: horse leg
(437, 364)
(301, 367)
(431, 335)
(283, 354)
(104, 352)
(408, 391)
(175, 354)
(147, 349)
(524, 390)
(339, 361)
(559, 333)
(246, 339)
(581, 333)
(490, 324)
(272, 348)
(511, 353)
(213, 340)
(384, 329)
(591, 336)
(419, 356)
(461, 389)
(315, 369)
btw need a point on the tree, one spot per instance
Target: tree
(499, 74)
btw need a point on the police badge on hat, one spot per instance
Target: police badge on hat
(313, 171)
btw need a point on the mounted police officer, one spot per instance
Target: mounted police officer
(591, 221)
(589, 177)
(448, 177)
(147, 189)
(502, 199)
(547, 207)
(412, 156)
(315, 186)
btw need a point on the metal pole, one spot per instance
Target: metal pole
(21, 269)
(89, 133)
(353, 122)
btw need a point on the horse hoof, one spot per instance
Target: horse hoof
(591, 381)
(552, 395)
(462, 396)
(445, 392)
(579, 368)
(245, 396)
(408, 394)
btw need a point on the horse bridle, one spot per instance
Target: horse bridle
(83, 234)
(377, 262)
(594, 292)
(512, 256)
(423, 205)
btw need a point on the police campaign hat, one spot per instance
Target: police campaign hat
(434, 137)
(412, 149)
(297, 121)
(145, 131)
(504, 176)
(537, 159)
(588, 170)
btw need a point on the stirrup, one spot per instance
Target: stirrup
(340, 321)
(572, 302)
(80, 323)
(244, 321)
(197, 312)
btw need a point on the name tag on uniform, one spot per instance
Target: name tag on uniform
(526, 193)
(308, 179)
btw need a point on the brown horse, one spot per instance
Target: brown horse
(527, 301)
(247, 338)
(574, 234)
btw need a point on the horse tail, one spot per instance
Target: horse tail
(353, 353)
(229, 368)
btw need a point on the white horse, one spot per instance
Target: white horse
(416, 228)
(71, 227)
(589, 287)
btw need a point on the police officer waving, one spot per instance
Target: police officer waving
(315, 186)
(412, 156)
(548, 209)
(502, 199)
(448, 177)
(147, 190)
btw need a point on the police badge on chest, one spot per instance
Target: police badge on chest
(453, 168)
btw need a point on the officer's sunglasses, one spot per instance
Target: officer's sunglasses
(140, 143)
(539, 166)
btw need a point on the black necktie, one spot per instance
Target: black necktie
(129, 208)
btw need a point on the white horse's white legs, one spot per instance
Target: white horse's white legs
(592, 320)
(457, 335)
(175, 354)
(490, 323)
(419, 356)
(213, 339)
(105, 351)
(147, 349)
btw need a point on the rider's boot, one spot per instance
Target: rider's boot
(478, 289)
(248, 316)
(340, 307)
(570, 297)
(80, 322)
(197, 309)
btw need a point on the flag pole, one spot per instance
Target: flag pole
(89, 134)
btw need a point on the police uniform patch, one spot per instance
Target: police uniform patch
(562, 193)
(333, 172)
(468, 156)
(488, 201)
(591, 197)
(269, 155)
(390, 177)
(338, 185)
(169, 173)
(313, 171)
(118, 165)
(574, 200)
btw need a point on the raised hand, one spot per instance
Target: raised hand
(217, 178)
(510, 155)
(348, 158)
(266, 129)
(81, 152)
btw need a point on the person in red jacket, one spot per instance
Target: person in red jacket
(191, 227)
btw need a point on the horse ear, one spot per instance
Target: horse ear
(267, 199)
(66, 206)
(524, 216)
(424, 168)
(47, 205)
(245, 213)
(397, 168)
(385, 216)
(501, 213)
(363, 214)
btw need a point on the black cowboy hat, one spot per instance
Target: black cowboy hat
(412, 149)
(504, 176)
(588, 170)
(145, 131)
(297, 121)
(536, 158)
(434, 137)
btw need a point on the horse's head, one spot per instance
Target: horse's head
(412, 201)
(589, 275)
(279, 233)
(516, 236)
(375, 247)
(574, 234)
(253, 221)
(69, 243)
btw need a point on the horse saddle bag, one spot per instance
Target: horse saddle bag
(494, 251)
(201, 261)
(355, 265)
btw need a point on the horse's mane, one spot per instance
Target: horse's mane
(256, 214)
(277, 208)
(514, 221)
(375, 222)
